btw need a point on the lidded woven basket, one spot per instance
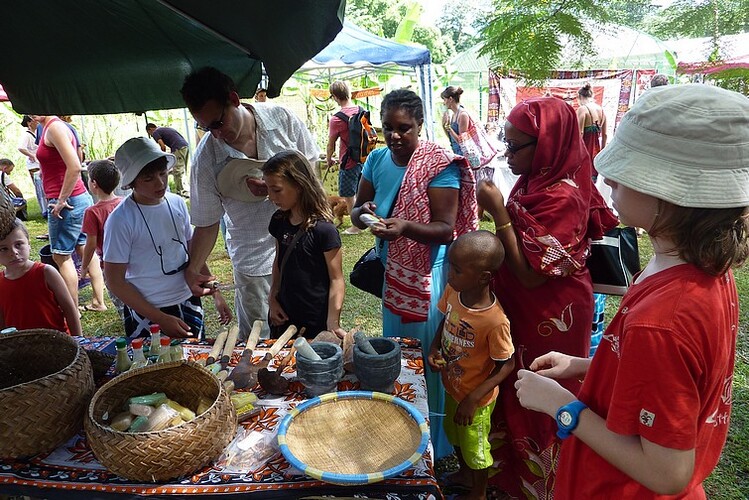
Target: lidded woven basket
(45, 386)
(175, 451)
(7, 214)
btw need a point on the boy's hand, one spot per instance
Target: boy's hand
(173, 327)
(465, 411)
(435, 360)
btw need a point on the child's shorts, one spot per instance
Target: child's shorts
(473, 440)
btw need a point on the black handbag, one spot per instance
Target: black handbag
(614, 260)
(368, 273)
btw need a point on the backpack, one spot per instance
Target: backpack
(362, 136)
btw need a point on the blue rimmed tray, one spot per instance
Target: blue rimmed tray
(353, 437)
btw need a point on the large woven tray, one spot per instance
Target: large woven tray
(175, 451)
(45, 384)
(353, 437)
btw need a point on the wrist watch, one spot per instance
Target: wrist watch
(568, 417)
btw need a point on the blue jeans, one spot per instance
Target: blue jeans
(65, 234)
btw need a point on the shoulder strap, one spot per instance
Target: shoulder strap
(343, 116)
(291, 248)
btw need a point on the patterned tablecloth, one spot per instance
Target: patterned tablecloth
(72, 471)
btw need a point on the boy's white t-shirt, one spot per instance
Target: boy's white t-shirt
(127, 241)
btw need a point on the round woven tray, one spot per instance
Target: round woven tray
(353, 437)
(45, 385)
(175, 451)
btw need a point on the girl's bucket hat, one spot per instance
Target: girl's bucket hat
(685, 144)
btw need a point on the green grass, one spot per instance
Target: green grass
(730, 480)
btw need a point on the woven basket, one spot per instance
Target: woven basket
(7, 214)
(45, 385)
(353, 437)
(175, 451)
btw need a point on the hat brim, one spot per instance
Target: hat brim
(232, 180)
(671, 181)
(129, 177)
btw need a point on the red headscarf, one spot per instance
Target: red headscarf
(556, 208)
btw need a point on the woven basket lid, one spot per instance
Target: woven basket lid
(353, 437)
(7, 214)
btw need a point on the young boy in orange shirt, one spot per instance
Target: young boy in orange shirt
(473, 350)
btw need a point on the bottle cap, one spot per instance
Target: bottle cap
(155, 328)
(121, 343)
(165, 341)
(137, 343)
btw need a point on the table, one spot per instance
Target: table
(72, 471)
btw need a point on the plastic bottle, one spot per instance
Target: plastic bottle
(165, 354)
(123, 362)
(155, 340)
(139, 359)
(178, 353)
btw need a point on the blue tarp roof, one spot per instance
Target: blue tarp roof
(354, 46)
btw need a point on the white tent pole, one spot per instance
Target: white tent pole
(424, 75)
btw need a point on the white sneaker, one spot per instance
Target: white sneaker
(352, 230)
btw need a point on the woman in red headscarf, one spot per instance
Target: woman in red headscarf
(551, 214)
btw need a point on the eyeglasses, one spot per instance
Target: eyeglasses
(214, 125)
(158, 249)
(512, 148)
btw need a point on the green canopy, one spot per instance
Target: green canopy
(68, 57)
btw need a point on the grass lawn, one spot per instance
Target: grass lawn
(730, 480)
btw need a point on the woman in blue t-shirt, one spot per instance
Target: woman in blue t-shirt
(424, 197)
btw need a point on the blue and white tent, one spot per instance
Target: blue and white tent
(355, 51)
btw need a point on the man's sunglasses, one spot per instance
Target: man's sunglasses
(512, 148)
(214, 125)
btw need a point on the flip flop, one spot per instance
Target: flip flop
(88, 308)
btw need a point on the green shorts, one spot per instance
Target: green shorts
(473, 440)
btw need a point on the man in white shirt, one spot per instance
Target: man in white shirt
(237, 131)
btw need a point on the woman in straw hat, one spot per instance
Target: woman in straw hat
(652, 415)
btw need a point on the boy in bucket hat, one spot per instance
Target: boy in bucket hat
(652, 415)
(146, 242)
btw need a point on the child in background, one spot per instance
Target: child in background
(103, 178)
(652, 415)
(32, 294)
(473, 350)
(307, 287)
(146, 241)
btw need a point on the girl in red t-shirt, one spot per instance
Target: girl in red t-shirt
(652, 415)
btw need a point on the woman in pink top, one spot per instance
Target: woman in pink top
(67, 197)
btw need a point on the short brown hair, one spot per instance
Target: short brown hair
(340, 90)
(713, 239)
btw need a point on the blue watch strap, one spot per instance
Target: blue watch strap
(568, 416)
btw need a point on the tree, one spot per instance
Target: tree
(382, 17)
(527, 36)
